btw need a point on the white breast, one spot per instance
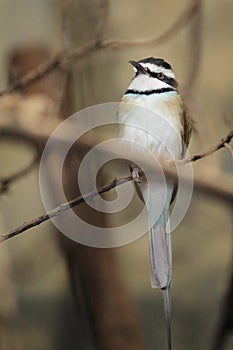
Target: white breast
(154, 122)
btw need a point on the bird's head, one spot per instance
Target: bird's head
(152, 74)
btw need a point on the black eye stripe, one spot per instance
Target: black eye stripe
(166, 79)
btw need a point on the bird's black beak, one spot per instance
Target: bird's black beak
(138, 66)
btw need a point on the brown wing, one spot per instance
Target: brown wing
(186, 131)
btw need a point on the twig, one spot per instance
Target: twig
(66, 7)
(6, 181)
(195, 45)
(214, 191)
(35, 140)
(176, 26)
(65, 206)
(204, 187)
(39, 141)
(224, 141)
(79, 53)
(35, 75)
(103, 10)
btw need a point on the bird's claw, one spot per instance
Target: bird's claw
(135, 175)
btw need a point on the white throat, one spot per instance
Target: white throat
(145, 83)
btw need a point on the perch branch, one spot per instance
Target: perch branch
(200, 185)
(224, 141)
(63, 207)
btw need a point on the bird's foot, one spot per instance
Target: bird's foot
(135, 175)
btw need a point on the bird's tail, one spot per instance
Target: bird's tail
(167, 309)
(160, 255)
(160, 249)
(161, 264)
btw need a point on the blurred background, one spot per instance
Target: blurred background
(55, 293)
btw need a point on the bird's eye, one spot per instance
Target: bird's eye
(160, 76)
(147, 70)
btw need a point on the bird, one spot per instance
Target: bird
(152, 113)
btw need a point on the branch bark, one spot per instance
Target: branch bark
(224, 141)
(214, 191)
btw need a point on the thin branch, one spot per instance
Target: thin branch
(38, 141)
(79, 53)
(226, 140)
(103, 10)
(35, 75)
(195, 46)
(176, 27)
(65, 206)
(204, 187)
(66, 8)
(7, 181)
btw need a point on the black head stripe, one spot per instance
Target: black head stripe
(157, 61)
(163, 64)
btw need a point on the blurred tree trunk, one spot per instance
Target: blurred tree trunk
(8, 304)
(109, 318)
(225, 326)
(93, 272)
(106, 314)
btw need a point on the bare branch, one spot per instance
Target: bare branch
(195, 45)
(214, 191)
(35, 75)
(226, 140)
(63, 207)
(79, 53)
(66, 7)
(34, 140)
(7, 181)
(103, 10)
(178, 24)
